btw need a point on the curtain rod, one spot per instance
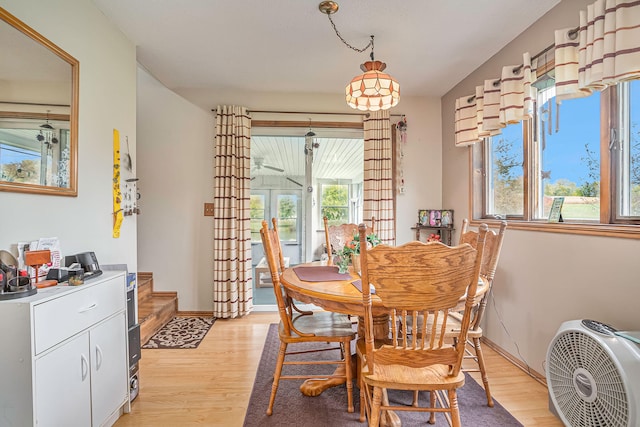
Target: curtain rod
(573, 33)
(313, 112)
(34, 103)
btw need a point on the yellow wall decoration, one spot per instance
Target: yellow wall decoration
(117, 195)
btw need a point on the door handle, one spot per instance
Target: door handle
(90, 307)
(98, 357)
(84, 366)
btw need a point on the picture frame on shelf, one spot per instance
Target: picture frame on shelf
(446, 218)
(423, 217)
(435, 218)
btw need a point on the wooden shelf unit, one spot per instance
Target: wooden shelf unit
(444, 232)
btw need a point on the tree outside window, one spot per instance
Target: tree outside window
(335, 203)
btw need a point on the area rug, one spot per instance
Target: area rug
(181, 332)
(330, 408)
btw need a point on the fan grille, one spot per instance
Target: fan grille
(600, 399)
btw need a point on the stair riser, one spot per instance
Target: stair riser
(145, 289)
(156, 321)
(155, 309)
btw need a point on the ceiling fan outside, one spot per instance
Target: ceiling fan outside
(259, 162)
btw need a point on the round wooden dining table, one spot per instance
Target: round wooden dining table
(341, 296)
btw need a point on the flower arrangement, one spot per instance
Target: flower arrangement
(351, 249)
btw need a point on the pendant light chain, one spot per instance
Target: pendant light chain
(346, 43)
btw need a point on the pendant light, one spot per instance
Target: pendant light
(373, 90)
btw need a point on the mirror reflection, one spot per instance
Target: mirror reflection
(38, 112)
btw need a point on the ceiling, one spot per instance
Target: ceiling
(333, 158)
(289, 45)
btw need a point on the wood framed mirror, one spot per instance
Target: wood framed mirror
(38, 112)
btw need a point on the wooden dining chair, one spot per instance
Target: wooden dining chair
(417, 279)
(305, 327)
(492, 249)
(337, 236)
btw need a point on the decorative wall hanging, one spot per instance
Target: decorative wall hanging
(117, 195)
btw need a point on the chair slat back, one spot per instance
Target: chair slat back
(420, 280)
(273, 254)
(492, 247)
(337, 236)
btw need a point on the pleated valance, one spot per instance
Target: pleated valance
(495, 104)
(604, 50)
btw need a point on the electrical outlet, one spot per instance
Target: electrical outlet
(208, 209)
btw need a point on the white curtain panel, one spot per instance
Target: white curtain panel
(566, 65)
(609, 49)
(491, 116)
(516, 98)
(379, 199)
(466, 121)
(232, 286)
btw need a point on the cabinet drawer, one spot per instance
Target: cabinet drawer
(58, 319)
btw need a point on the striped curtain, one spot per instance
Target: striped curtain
(516, 97)
(604, 50)
(566, 53)
(466, 121)
(232, 287)
(609, 43)
(495, 104)
(378, 179)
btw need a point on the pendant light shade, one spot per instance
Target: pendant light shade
(373, 90)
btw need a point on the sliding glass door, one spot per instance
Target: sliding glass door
(298, 181)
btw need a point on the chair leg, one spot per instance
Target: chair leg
(374, 419)
(455, 411)
(483, 371)
(363, 400)
(349, 375)
(276, 376)
(432, 404)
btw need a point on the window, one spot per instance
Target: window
(505, 182)
(586, 150)
(334, 202)
(567, 144)
(627, 152)
(257, 207)
(287, 217)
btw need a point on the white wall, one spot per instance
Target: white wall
(543, 279)
(175, 152)
(175, 239)
(107, 101)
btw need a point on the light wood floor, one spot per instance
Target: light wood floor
(210, 385)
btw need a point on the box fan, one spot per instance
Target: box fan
(593, 375)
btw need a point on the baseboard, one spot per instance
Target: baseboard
(541, 378)
(266, 308)
(194, 314)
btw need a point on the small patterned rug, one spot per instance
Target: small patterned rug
(181, 332)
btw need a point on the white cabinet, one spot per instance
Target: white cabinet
(63, 359)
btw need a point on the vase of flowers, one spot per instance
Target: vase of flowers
(351, 250)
